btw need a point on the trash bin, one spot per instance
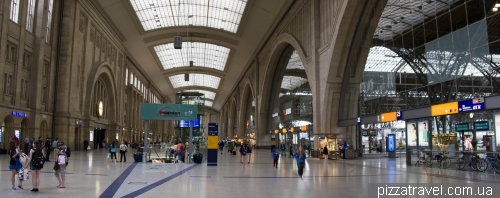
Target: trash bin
(408, 156)
(138, 157)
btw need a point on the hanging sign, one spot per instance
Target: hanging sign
(168, 112)
(461, 127)
(399, 115)
(471, 105)
(444, 109)
(388, 117)
(482, 126)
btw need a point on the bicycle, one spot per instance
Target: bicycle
(491, 162)
(424, 158)
(471, 160)
(443, 160)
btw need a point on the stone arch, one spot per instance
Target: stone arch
(103, 71)
(232, 118)
(25, 129)
(7, 130)
(283, 41)
(247, 90)
(44, 129)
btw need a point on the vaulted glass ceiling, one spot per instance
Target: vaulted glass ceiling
(208, 94)
(382, 59)
(219, 14)
(400, 15)
(292, 82)
(208, 103)
(294, 62)
(202, 54)
(201, 80)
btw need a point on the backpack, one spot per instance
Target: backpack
(112, 149)
(38, 159)
(68, 152)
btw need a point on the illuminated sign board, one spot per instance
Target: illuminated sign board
(388, 117)
(391, 143)
(303, 128)
(482, 126)
(444, 109)
(471, 105)
(18, 114)
(283, 130)
(365, 133)
(399, 115)
(461, 127)
(359, 120)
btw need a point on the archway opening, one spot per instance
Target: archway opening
(7, 131)
(290, 116)
(249, 119)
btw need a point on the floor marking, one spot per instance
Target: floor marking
(111, 190)
(158, 183)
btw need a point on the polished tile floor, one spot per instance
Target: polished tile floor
(91, 174)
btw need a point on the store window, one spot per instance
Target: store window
(11, 53)
(27, 60)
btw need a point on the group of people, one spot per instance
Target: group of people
(113, 147)
(35, 159)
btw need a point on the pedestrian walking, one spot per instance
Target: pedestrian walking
(300, 157)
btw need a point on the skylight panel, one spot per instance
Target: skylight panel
(294, 62)
(208, 103)
(292, 82)
(382, 59)
(219, 14)
(208, 94)
(202, 80)
(202, 54)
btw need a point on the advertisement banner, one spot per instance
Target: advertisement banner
(444, 109)
(423, 133)
(17, 133)
(391, 141)
(411, 131)
(168, 112)
(497, 129)
(388, 117)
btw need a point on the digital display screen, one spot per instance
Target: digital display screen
(185, 123)
(17, 133)
(391, 142)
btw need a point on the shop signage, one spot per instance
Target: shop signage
(399, 115)
(331, 136)
(391, 143)
(444, 109)
(364, 133)
(471, 105)
(275, 115)
(372, 132)
(213, 131)
(91, 136)
(283, 130)
(461, 127)
(482, 126)
(303, 128)
(79, 122)
(388, 117)
(288, 111)
(168, 112)
(359, 120)
(18, 114)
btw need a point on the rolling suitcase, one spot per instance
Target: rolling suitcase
(234, 152)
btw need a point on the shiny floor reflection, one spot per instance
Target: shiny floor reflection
(91, 174)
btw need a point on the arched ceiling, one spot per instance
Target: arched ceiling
(221, 37)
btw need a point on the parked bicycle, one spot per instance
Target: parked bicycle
(491, 161)
(442, 159)
(423, 158)
(471, 160)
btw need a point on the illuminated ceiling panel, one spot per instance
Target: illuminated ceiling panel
(208, 94)
(292, 82)
(208, 103)
(201, 80)
(294, 62)
(218, 14)
(202, 54)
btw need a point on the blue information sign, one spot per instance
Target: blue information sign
(391, 143)
(471, 105)
(213, 129)
(359, 121)
(399, 115)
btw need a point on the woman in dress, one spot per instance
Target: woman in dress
(15, 165)
(300, 157)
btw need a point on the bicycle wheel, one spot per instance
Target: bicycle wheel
(482, 165)
(428, 162)
(496, 166)
(460, 163)
(445, 163)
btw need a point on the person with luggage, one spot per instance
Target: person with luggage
(300, 157)
(35, 162)
(61, 159)
(230, 148)
(243, 152)
(15, 165)
(275, 158)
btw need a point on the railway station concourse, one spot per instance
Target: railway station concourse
(371, 92)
